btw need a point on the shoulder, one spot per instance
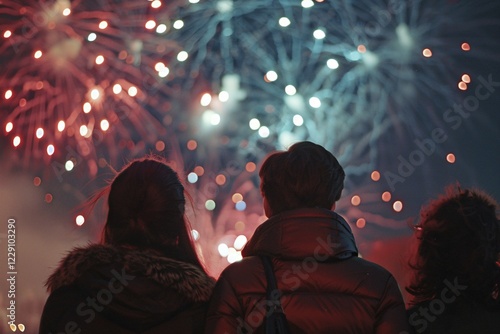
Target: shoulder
(247, 264)
(78, 261)
(243, 273)
(187, 278)
(357, 265)
(251, 267)
(370, 279)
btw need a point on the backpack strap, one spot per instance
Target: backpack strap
(275, 321)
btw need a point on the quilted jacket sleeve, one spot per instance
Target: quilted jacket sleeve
(391, 314)
(225, 313)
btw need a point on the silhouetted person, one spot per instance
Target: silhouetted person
(145, 276)
(325, 286)
(456, 265)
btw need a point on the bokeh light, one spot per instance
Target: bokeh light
(37, 181)
(240, 242)
(79, 220)
(360, 223)
(192, 145)
(250, 167)
(375, 175)
(397, 206)
(49, 198)
(216, 86)
(210, 205)
(237, 197)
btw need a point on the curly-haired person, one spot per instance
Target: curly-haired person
(455, 285)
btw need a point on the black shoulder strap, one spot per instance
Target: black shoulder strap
(272, 287)
(276, 321)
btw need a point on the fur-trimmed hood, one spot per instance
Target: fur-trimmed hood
(186, 279)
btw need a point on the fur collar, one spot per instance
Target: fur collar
(186, 278)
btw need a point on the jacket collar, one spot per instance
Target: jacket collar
(301, 233)
(186, 278)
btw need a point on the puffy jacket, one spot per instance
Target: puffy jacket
(325, 286)
(103, 289)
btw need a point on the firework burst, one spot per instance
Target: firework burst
(89, 82)
(348, 75)
(339, 73)
(81, 81)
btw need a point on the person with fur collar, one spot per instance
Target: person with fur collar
(145, 275)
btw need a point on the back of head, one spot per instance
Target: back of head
(306, 175)
(146, 210)
(459, 239)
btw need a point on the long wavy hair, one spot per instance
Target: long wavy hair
(146, 206)
(459, 239)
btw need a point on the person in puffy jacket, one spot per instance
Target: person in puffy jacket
(145, 276)
(456, 266)
(325, 287)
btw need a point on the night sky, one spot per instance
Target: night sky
(408, 90)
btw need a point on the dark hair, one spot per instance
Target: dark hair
(306, 175)
(459, 239)
(146, 210)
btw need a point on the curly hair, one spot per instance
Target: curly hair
(459, 239)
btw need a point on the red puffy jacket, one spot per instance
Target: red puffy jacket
(325, 286)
